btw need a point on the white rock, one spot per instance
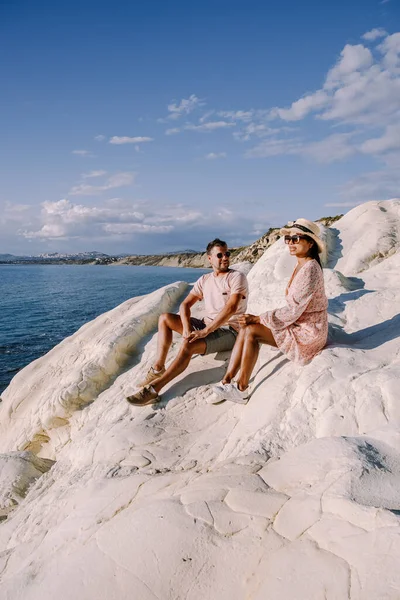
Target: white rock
(18, 470)
(295, 495)
(264, 504)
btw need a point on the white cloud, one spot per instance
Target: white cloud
(178, 215)
(301, 108)
(215, 155)
(361, 92)
(129, 140)
(64, 219)
(374, 34)
(259, 130)
(209, 126)
(206, 116)
(82, 152)
(99, 138)
(11, 208)
(126, 228)
(115, 181)
(93, 174)
(374, 185)
(237, 115)
(185, 107)
(226, 214)
(390, 48)
(12, 215)
(389, 141)
(353, 59)
(119, 220)
(342, 204)
(367, 99)
(275, 147)
(359, 89)
(334, 147)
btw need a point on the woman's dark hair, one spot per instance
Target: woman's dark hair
(313, 251)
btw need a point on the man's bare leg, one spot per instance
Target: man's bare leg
(236, 357)
(167, 323)
(254, 334)
(180, 363)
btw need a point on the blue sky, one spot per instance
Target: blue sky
(143, 127)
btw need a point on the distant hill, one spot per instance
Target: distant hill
(78, 255)
(179, 258)
(7, 257)
(58, 258)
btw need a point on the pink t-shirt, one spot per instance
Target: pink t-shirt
(216, 291)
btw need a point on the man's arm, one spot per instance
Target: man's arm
(184, 313)
(223, 316)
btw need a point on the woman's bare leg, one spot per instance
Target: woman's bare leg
(236, 357)
(253, 335)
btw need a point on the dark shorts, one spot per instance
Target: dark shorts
(220, 340)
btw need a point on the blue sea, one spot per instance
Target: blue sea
(40, 305)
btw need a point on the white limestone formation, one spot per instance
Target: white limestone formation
(294, 496)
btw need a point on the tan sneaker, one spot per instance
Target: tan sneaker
(147, 395)
(151, 376)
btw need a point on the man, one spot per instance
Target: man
(225, 298)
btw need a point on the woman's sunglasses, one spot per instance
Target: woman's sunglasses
(293, 238)
(221, 254)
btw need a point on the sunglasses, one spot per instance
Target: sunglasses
(221, 254)
(293, 238)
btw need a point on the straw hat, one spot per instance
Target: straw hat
(304, 227)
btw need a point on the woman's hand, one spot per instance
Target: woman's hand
(248, 320)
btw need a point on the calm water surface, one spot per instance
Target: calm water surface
(42, 304)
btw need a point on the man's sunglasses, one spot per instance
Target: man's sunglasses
(293, 238)
(221, 254)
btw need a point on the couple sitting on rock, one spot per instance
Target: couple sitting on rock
(299, 329)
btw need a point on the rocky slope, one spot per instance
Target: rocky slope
(294, 496)
(199, 260)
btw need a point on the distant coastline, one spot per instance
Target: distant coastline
(188, 259)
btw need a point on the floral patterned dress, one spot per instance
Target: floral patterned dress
(300, 329)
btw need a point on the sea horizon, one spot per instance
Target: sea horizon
(43, 304)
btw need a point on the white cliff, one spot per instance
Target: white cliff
(294, 496)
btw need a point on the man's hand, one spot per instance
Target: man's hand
(248, 320)
(186, 333)
(198, 335)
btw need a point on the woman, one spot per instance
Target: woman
(299, 330)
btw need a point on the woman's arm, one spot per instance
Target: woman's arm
(306, 283)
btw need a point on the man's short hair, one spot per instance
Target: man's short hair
(216, 242)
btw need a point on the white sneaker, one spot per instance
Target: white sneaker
(221, 389)
(214, 399)
(230, 391)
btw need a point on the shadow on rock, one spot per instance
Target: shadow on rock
(334, 247)
(338, 304)
(193, 380)
(277, 367)
(368, 338)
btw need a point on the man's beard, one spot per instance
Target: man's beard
(223, 269)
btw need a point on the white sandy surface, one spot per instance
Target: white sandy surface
(295, 496)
